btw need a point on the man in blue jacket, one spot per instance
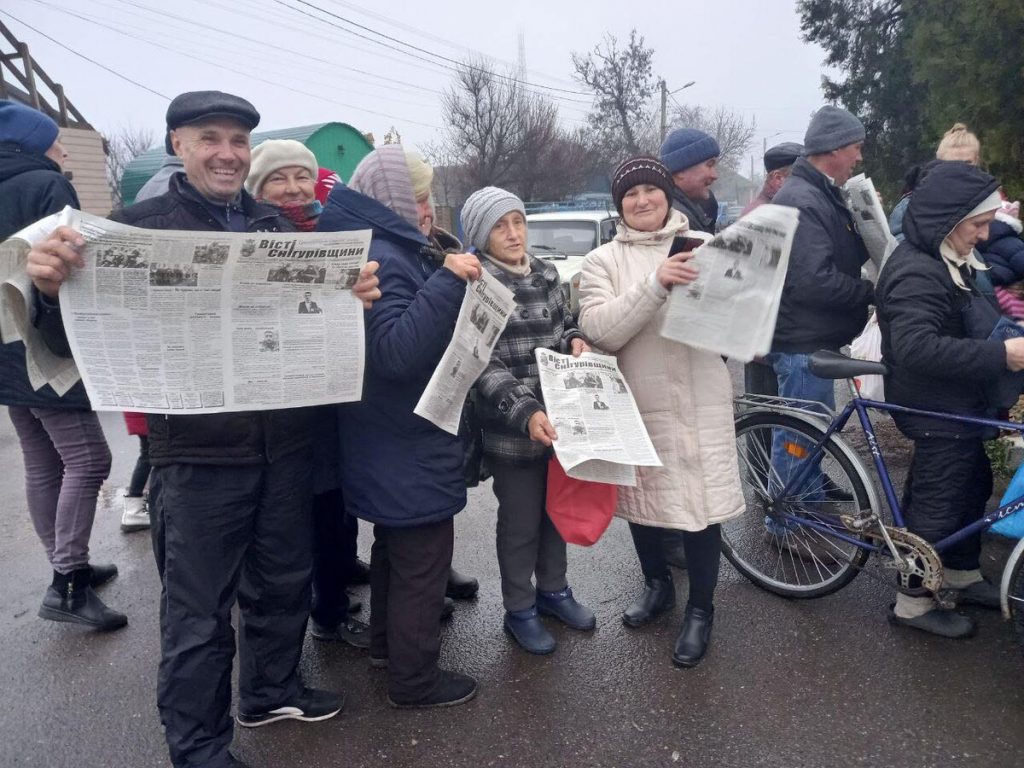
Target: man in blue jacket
(824, 300)
(232, 517)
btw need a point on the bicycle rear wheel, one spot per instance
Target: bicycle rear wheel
(1015, 600)
(785, 545)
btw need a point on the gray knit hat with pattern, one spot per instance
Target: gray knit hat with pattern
(483, 209)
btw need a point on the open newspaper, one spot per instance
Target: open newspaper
(732, 306)
(872, 223)
(483, 316)
(601, 436)
(206, 322)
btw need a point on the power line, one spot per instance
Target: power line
(438, 38)
(250, 74)
(306, 55)
(457, 64)
(231, 55)
(83, 56)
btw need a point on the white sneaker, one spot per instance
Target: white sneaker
(136, 514)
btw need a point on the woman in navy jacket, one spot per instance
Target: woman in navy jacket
(399, 471)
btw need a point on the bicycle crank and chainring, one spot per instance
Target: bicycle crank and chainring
(919, 558)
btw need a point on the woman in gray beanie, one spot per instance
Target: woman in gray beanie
(517, 433)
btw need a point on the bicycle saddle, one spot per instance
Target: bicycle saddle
(833, 365)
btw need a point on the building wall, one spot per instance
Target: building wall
(87, 163)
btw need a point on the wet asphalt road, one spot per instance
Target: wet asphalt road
(820, 683)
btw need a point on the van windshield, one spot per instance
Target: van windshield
(562, 237)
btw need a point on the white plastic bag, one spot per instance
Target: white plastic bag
(868, 346)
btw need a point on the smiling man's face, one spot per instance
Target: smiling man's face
(216, 156)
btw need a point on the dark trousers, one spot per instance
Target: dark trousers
(703, 553)
(947, 488)
(141, 472)
(408, 576)
(222, 533)
(335, 537)
(527, 540)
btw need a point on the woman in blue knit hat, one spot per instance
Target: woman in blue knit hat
(517, 433)
(66, 455)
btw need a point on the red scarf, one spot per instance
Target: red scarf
(302, 215)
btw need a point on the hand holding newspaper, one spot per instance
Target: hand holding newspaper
(206, 322)
(872, 223)
(483, 316)
(601, 436)
(732, 306)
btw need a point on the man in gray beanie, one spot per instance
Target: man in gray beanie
(824, 300)
(691, 156)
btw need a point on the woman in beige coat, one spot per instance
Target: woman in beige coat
(684, 396)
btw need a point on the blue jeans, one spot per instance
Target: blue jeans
(797, 382)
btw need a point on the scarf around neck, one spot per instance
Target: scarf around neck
(522, 269)
(302, 215)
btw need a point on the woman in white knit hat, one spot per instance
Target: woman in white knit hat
(517, 433)
(283, 172)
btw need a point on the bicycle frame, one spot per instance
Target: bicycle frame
(861, 406)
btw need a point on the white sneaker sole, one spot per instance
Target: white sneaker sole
(293, 714)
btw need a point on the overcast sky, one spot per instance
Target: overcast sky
(299, 64)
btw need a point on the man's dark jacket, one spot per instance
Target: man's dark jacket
(699, 218)
(933, 363)
(246, 437)
(31, 188)
(824, 300)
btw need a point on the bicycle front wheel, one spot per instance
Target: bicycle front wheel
(787, 545)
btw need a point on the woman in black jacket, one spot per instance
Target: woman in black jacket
(935, 326)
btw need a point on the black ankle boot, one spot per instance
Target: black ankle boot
(70, 598)
(693, 641)
(659, 595)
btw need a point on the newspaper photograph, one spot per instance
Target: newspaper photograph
(16, 301)
(601, 436)
(732, 306)
(872, 223)
(206, 322)
(483, 316)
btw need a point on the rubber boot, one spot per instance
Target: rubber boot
(70, 598)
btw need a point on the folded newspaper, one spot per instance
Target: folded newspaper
(16, 301)
(601, 436)
(202, 322)
(483, 316)
(732, 306)
(872, 223)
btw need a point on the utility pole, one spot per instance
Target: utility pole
(664, 109)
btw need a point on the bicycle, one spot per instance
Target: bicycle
(821, 517)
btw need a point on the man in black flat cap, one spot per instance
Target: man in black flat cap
(232, 491)
(778, 164)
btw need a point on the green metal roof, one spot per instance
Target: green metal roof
(145, 165)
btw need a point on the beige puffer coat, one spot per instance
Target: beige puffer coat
(684, 394)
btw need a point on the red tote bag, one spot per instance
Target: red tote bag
(581, 510)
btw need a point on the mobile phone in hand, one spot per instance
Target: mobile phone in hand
(682, 244)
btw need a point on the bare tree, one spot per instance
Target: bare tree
(483, 123)
(124, 145)
(623, 84)
(502, 133)
(732, 131)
